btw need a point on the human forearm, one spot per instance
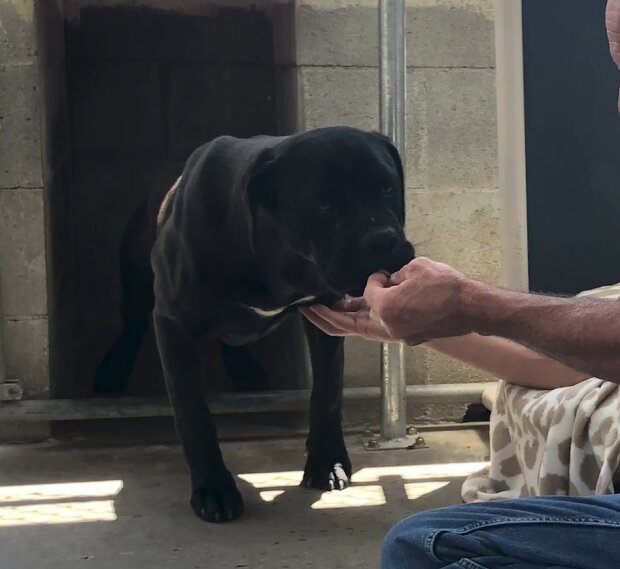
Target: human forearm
(508, 360)
(582, 333)
(427, 300)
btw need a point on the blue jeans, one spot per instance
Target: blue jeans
(554, 532)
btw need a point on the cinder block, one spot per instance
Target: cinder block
(433, 413)
(458, 228)
(116, 107)
(450, 34)
(337, 33)
(440, 33)
(358, 414)
(27, 355)
(17, 31)
(339, 96)
(417, 365)
(363, 364)
(452, 129)
(22, 253)
(442, 369)
(208, 101)
(20, 142)
(461, 229)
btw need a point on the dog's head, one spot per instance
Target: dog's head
(337, 195)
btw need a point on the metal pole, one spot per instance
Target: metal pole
(392, 96)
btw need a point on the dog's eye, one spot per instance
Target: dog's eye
(386, 191)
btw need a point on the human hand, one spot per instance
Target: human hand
(422, 301)
(351, 316)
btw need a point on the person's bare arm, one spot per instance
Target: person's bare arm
(501, 357)
(427, 300)
(582, 333)
(508, 361)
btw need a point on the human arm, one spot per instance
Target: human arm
(508, 360)
(582, 333)
(500, 357)
(426, 301)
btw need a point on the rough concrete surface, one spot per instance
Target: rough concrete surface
(26, 343)
(17, 42)
(459, 228)
(20, 144)
(136, 501)
(439, 34)
(339, 96)
(451, 129)
(22, 251)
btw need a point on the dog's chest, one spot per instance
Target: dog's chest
(237, 323)
(275, 311)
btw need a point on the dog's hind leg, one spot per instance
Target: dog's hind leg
(115, 369)
(328, 466)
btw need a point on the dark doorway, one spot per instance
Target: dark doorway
(146, 86)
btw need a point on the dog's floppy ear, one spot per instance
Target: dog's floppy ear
(397, 162)
(261, 184)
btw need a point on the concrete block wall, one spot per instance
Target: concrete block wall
(452, 198)
(23, 259)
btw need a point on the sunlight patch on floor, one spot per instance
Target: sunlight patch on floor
(366, 489)
(74, 502)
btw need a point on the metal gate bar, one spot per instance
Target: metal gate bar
(392, 98)
(128, 407)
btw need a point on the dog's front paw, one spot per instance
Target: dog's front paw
(332, 474)
(217, 502)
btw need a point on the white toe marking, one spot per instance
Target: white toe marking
(341, 475)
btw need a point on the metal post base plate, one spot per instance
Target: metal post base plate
(412, 441)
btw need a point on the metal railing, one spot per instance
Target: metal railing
(233, 403)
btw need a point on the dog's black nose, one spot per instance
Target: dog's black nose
(380, 244)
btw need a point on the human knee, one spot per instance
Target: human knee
(405, 545)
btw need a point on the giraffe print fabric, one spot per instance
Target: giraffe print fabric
(559, 442)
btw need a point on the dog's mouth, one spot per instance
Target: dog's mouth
(354, 284)
(402, 255)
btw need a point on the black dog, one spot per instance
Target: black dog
(253, 229)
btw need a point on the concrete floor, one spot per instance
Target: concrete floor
(126, 507)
